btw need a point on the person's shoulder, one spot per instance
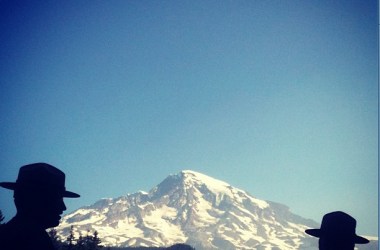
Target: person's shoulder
(7, 236)
(6, 230)
(10, 232)
(13, 237)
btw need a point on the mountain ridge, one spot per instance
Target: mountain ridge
(195, 209)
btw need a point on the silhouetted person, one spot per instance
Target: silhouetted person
(38, 196)
(337, 232)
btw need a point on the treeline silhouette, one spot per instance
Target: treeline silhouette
(87, 242)
(91, 241)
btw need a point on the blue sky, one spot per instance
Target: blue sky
(279, 98)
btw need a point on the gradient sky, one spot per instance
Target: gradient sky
(279, 98)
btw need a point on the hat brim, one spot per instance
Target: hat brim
(318, 233)
(13, 185)
(8, 185)
(313, 232)
(69, 194)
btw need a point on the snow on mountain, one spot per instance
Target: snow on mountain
(192, 208)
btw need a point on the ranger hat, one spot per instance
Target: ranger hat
(340, 225)
(40, 176)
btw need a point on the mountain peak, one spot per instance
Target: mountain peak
(193, 208)
(192, 182)
(199, 178)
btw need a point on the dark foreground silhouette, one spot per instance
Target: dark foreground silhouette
(38, 196)
(337, 232)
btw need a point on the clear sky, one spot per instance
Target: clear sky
(279, 98)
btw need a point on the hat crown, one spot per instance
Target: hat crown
(41, 174)
(338, 222)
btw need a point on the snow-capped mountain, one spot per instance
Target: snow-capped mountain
(195, 209)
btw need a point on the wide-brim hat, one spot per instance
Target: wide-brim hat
(40, 176)
(338, 224)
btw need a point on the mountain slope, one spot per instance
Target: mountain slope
(192, 208)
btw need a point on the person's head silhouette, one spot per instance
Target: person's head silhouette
(337, 232)
(38, 195)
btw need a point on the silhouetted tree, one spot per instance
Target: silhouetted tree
(95, 242)
(88, 242)
(1, 217)
(71, 239)
(81, 243)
